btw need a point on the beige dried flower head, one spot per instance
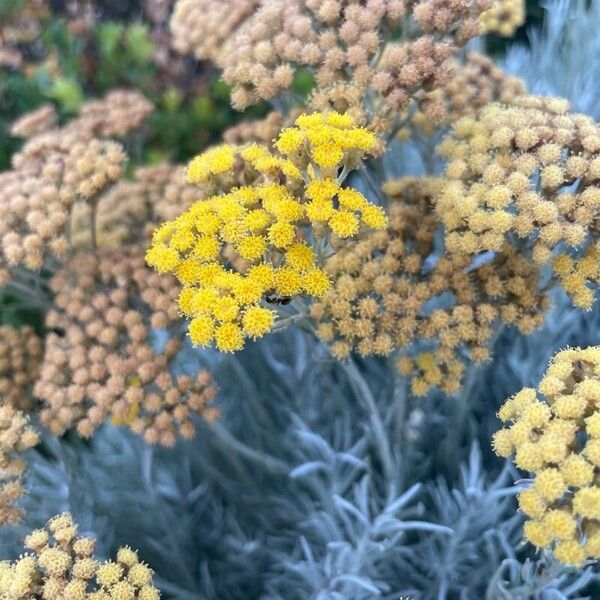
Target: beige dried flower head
(393, 291)
(130, 210)
(16, 436)
(203, 27)
(100, 362)
(119, 113)
(49, 175)
(470, 86)
(60, 565)
(503, 18)
(57, 169)
(20, 354)
(35, 123)
(527, 175)
(261, 45)
(554, 432)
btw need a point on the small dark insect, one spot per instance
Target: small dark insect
(578, 374)
(272, 298)
(540, 568)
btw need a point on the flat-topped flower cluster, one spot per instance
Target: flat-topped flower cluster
(273, 218)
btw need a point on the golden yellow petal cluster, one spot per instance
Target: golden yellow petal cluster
(554, 432)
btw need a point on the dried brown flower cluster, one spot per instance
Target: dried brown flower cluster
(470, 86)
(344, 43)
(504, 17)
(56, 169)
(335, 41)
(203, 27)
(100, 362)
(16, 436)
(20, 353)
(393, 291)
(129, 211)
(116, 115)
(60, 565)
(528, 176)
(36, 197)
(35, 123)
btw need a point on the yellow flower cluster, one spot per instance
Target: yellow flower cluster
(387, 287)
(61, 565)
(529, 171)
(557, 438)
(264, 237)
(503, 18)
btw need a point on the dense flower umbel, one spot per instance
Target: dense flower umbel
(392, 291)
(504, 17)
(343, 43)
(20, 354)
(267, 239)
(530, 171)
(555, 433)
(202, 27)
(16, 436)
(99, 361)
(60, 565)
(471, 85)
(56, 169)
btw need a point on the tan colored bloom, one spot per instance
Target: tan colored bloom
(100, 362)
(16, 436)
(526, 172)
(392, 291)
(20, 353)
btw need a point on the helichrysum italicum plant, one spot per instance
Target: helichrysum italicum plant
(554, 432)
(61, 565)
(263, 239)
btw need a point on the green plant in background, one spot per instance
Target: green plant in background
(68, 61)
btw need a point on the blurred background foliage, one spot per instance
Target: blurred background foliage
(71, 51)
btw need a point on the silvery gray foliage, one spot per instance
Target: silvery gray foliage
(320, 481)
(562, 58)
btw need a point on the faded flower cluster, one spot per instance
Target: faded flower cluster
(393, 290)
(526, 175)
(16, 436)
(261, 45)
(99, 360)
(20, 353)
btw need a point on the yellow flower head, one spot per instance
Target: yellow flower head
(555, 438)
(233, 250)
